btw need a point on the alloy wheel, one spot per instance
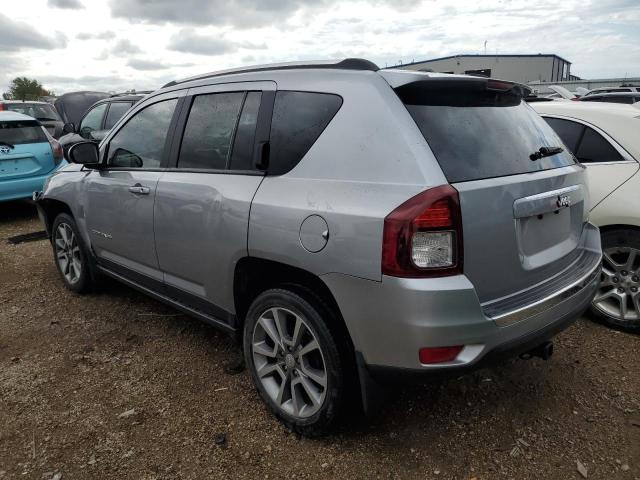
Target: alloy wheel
(68, 253)
(619, 292)
(289, 362)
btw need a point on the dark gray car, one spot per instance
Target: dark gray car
(98, 119)
(44, 112)
(347, 224)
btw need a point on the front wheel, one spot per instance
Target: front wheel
(617, 302)
(294, 360)
(70, 255)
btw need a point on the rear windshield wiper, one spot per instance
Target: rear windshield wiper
(6, 144)
(46, 119)
(545, 152)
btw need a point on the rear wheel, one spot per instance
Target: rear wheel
(617, 302)
(70, 255)
(294, 360)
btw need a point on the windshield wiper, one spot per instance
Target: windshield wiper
(46, 119)
(6, 144)
(545, 152)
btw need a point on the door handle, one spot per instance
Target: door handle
(139, 189)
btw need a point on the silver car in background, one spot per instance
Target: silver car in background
(348, 224)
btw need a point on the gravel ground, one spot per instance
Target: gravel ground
(116, 385)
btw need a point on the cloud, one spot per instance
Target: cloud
(106, 35)
(147, 65)
(190, 41)
(67, 4)
(124, 47)
(238, 13)
(19, 36)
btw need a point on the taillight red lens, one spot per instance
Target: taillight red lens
(439, 354)
(56, 148)
(423, 236)
(2, 107)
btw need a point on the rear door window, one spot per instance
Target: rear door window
(298, 120)
(570, 132)
(595, 148)
(242, 156)
(92, 120)
(115, 113)
(208, 135)
(21, 132)
(477, 133)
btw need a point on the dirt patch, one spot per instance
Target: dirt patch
(115, 385)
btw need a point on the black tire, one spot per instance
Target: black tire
(84, 280)
(612, 240)
(317, 317)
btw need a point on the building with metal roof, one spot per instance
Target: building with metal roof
(523, 68)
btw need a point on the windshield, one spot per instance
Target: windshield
(38, 111)
(476, 133)
(17, 133)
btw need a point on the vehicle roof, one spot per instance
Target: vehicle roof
(25, 101)
(620, 121)
(287, 75)
(134, 97)
(598, 89)
(613, 94)
(9, 116)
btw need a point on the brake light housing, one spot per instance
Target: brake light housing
(423, 236)
(56, 148)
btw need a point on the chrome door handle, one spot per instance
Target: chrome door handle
(139, 189)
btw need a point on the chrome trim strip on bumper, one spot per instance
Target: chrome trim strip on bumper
(550, 301)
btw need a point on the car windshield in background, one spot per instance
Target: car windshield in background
(38, 111)
(477, 133)
(17, 133)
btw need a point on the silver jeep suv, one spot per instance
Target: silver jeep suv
(347, 223)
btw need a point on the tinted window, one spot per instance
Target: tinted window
(38, 111)
(92, 120)
(242, 156)
(140, 142)
(209, 131)
(595, 148)
(475, 133)
(625, 99)
(298, 120)
(567, 130)
(17, 133)
(115, 113)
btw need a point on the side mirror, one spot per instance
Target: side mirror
(68, 128)
(85, 153)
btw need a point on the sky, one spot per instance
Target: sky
(118, 45)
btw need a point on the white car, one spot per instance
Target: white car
(630, 88)
(605, 137)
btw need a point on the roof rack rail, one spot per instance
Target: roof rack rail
(346, 64)
(133, 92)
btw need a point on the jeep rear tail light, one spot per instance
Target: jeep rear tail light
(423, 236)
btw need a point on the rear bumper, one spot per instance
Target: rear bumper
(23, 188)
(390, 321)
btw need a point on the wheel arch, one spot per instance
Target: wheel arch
(50, 209)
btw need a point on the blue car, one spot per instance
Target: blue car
(28, 155)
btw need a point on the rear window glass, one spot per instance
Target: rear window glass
(42, 112)
(18, 133)
(298, 120)
(475, 133)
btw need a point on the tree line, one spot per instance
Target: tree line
(23, 88)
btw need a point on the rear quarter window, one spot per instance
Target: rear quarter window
(21, 132)
(299, 118)
(476, 133)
